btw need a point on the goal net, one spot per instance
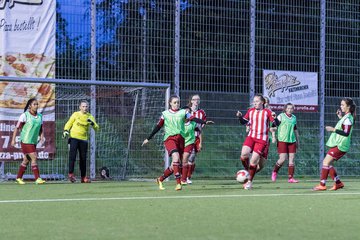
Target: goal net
(126, 114)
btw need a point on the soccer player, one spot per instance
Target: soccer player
(259, 119)
(30, 127)
(77, 128)
(173, 120)
(194, 104)
(339, 143)
(288, 142)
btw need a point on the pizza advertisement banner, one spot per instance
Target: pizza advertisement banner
(27, 49)
(298, 88)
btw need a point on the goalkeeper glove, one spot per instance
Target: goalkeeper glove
(90, 121)
(65, 134)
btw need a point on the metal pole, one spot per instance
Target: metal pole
(322, 80)
(93, 88)
(252, 50)
(2, 171)
(166, 156)
(130, 136)
(144, 90)
(177, 49)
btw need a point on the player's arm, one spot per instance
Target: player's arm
(19, 125)
(275, 120)
(198, 120)
(156, 129)
(93, 123)
(68, 125)
(242, 120)
(345, 131)
(297, 136)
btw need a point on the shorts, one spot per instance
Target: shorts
(189, 148)
(336, 153)
(28, 148)
(197, 144)
(284, 147)
(174, 144)
(256, 145)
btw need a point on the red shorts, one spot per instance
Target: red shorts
(284, 147)
(189, 148)
(197, 144)
(256, 145)
(28, 148)
(266, 151)
(336, 153)
(174, 144)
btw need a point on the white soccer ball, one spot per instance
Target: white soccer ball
(242, 176)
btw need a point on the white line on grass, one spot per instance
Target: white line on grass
(177, 197)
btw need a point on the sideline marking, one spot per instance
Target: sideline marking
(176, 197)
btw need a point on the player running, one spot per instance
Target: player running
(339, 143)
(173, 120)
(259, 119)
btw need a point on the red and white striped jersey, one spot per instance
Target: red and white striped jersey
(202, 115)
(259, 121)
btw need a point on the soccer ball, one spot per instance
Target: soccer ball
(242, 176)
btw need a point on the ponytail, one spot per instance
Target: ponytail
(29, 102)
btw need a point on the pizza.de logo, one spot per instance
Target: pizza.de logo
(12, 2)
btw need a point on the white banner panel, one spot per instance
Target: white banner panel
(27, 49)
(298, 88)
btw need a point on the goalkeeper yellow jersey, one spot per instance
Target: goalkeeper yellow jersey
(78, 125)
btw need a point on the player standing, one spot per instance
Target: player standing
(259, 119)
(339, 143)
(78, 127)
(194, 104)
(288, 142)
(30, 125)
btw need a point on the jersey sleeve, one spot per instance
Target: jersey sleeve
(70, 122)
(246, 117)
(271, 118)
(21, 121)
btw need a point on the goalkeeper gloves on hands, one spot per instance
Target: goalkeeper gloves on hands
(65, 134)
(90, 121)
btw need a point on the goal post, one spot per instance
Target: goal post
(126, 113)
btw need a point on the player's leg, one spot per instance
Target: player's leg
(73, 148)
(337, 182)
(185, 167)
(83, 146)
(248, 145)
(35, 167)
(22, 169)
(291, 169)
(191, 166)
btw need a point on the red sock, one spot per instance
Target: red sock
(252, 171)
(21, 171)
(245, 162)
(166, 174)
(333, 175)
(191, 170)
(324, 175)
(35, 170)
(277, 167)
(176, 172)
(291, 170)
(184, 172)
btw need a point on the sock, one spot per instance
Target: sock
(277, 167)
(191, 170)
(35, 170)
(324, 175)
(21, 171)
(333, 175)
(291, 170)
(245, 162)
(176, 172)
(252, 171)
(184, 172)
(166, 174)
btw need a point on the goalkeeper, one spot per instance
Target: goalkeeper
(77, 129)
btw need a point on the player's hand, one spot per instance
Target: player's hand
(145, 142)
(90, 121)
(65, 134)
(339, 113)
(247, 128)
(273, 140)
(199, 148)
(209, 122)
(273, 114)
(238, 114)
(13, 142)
(329, 129)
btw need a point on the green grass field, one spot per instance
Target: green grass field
(211, 209)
